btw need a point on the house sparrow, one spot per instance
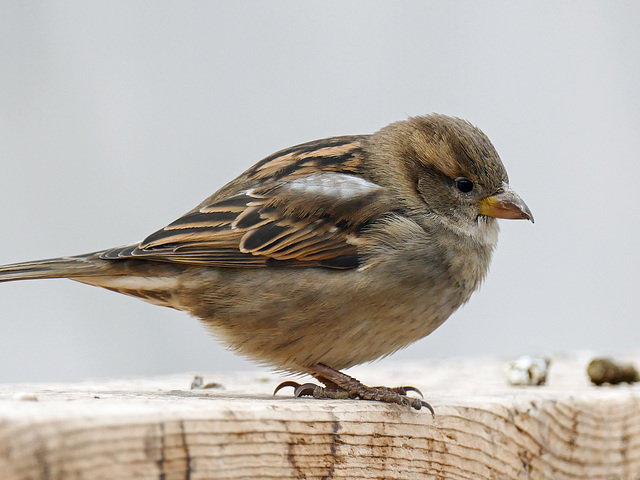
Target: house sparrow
(325, 255)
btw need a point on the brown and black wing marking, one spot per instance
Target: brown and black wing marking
(307, 209)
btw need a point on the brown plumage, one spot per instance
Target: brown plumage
(327, 254)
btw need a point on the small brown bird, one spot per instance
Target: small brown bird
(325, 255)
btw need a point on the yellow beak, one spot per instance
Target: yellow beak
(506, 204)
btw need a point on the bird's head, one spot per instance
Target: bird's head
(448, 167)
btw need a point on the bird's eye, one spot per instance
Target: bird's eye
(464, 185)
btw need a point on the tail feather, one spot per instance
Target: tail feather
(63, 267)
(153, 282)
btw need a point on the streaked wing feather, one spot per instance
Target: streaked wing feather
(309, 215)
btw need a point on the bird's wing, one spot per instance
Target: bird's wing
(308, 220)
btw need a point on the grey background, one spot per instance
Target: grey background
(117, 117)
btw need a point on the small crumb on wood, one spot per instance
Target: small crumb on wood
(198, 384)
(24, 397)
(606, 370)
(528, 370)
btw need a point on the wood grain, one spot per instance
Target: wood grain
(483, 429)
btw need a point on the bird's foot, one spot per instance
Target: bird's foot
(341, 386)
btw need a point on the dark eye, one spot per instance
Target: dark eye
(464, 185)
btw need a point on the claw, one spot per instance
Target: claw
(306, 389)
(416, 403)
(428, 407)
(288, 383)
(407, 388)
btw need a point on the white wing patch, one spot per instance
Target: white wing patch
(338, 185)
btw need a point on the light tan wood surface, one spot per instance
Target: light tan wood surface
(157, 428)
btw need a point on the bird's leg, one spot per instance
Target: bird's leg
(339, 385)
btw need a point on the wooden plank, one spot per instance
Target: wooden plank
(483, 429)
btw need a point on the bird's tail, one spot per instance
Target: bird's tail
(152, 281)
(63, 267)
